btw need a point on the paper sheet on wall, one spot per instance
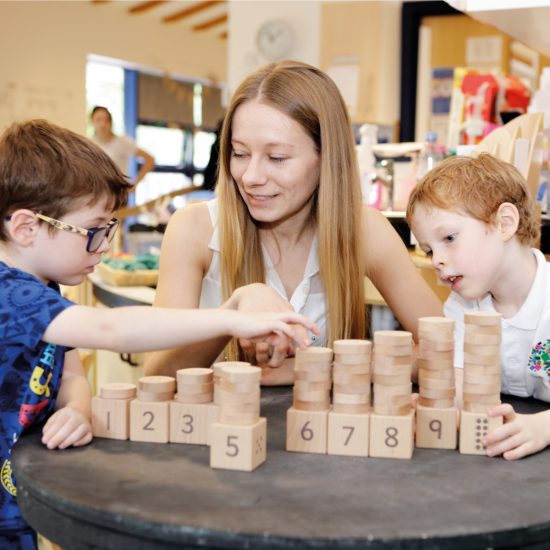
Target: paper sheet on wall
(346, 78)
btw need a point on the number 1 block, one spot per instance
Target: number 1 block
(473, 428)
(110, 418)
(348, 434)
(436, 428)
(392, 436)
(149, 421)
(306, 431)
(235, 447)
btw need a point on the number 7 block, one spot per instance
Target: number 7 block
(348, 434)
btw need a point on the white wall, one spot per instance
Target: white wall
(245, 18)
(44, 45)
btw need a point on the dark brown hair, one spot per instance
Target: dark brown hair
(52, 170)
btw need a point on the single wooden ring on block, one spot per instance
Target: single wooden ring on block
(306, 385)
(351, 378)
(436, 324)
(161, 384)
(314, 355)
(239, 419)
(395, 370)
(483, 389)
(392, 338)
(194, 375)
(436, 403)
(402, 410)
(312, 367)
(442, 374)
(390, 380)
(429, 345)
(238, 408)
(231, 397)
(117, 390)
(311, 405)
(430, 393)
(431, 364)
(383, 360)
(436, 383)
(382, 389)
(196, 398)
(487, 379)
(488, 399)
(481, 369)
(392, 400)
(386, 350)
(484, 330)
(152, 397)
(351, 388)
(483, 360)
(430, 355)
(240, 373)
(196, 388)
(319, 395)
(238, 387)
(349, 399)
(435, 336)
(337, 368)
(350, 359)
(483, 318)
(485, 350)
(350, 409)
(312, 376)
(482, 339)
(478, 407)
(353, 346)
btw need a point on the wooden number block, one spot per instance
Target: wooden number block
(234, 447)
(474, 427)
(110, 418)
(391, 436)
(189, 422)
(149, 421)
(348, 434)
(306, 431)
(436, 428)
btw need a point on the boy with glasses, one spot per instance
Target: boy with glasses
(58, 192)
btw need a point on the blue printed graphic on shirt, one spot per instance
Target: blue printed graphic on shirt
(30, 370)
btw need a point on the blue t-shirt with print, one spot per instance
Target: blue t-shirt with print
(30, 371)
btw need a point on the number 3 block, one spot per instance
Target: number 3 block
(392, 436)
(348, 434)
(234, 447)
(190, 422)
(306, 431)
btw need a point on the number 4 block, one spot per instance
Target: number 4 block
(235, 447)
(392, 436)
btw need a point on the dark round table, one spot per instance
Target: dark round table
(127, 495)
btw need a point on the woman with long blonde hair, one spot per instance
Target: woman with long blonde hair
(289, 216)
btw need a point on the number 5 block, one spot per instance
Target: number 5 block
(235, 447)
(392, 436)
(306, 431)
(348, 434)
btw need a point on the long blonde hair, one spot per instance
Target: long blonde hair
(310, 97)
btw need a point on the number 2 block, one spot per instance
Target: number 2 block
(348, 434)
(392, 436)
(436, 428)
(234, 447)
(306, 431)
(149, 421)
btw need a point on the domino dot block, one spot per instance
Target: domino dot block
(189, 422)
(436, 428)
(391, 436)
(111, 418)
(149, 421)
(235, 447)
(306, 431)
(348, 434)
(473, 428)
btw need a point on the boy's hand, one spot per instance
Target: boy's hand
(519, 436)
(66, 427)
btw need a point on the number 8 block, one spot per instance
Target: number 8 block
(392, 436)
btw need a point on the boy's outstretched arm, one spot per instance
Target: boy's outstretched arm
(142, 328)
(70, 424)
(520, 435)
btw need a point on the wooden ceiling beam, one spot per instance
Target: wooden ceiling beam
(145, 6)
(192, 10)
(211, 23)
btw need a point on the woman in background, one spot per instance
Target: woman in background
(120, 148)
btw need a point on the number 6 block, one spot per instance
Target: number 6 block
(392, 436)
(235, 447)
(306, 431)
